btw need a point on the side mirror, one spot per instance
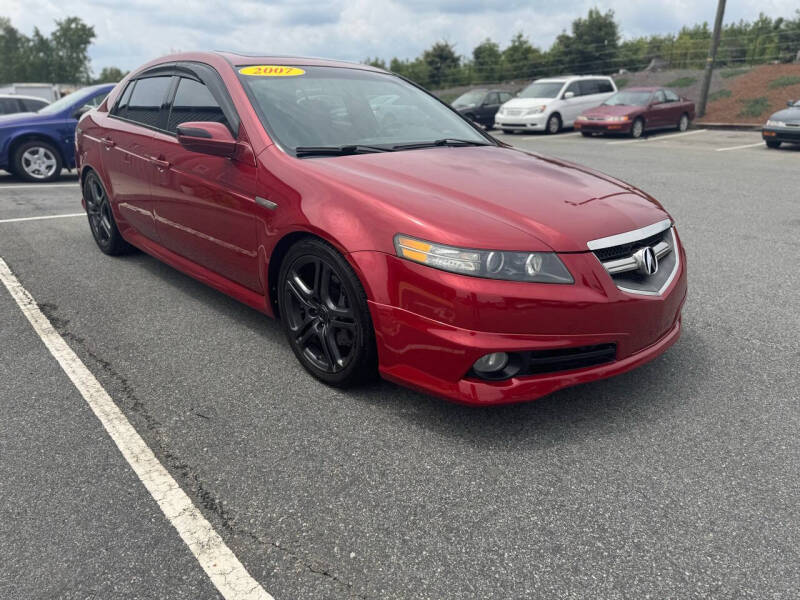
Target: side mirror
(206, 137)
(82, 111)
(568, 95)
(790, 103)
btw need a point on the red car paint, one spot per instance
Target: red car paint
(199, 214)
(655, 114)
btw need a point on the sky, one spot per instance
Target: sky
(132, 32)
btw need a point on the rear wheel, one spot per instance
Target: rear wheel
(324, 313)
(773, 144)
(554, 123)
(586, 133)
(637, 129)
(683, 124)
(101, 219)
(36, 160)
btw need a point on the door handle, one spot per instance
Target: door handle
(161, 165)
(108, 143)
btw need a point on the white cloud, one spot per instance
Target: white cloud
(132, 32)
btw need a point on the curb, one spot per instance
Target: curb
(733, 126)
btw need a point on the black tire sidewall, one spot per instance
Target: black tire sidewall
(116, 244)
(641, 133)
(363, 366)
(19, 171)
(547, 125)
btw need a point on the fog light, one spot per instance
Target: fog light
(491, 363)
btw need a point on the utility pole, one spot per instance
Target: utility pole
(712, 56)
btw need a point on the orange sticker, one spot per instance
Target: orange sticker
(272, 71)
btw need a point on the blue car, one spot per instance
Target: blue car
(37, 145)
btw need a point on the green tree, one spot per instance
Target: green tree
(521, 60)
(375, 62)
(443, 64)
(70, 50)
(487, 62)
(110, 75)
(591, 48)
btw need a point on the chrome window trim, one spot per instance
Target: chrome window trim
(671, 275)
(629, 236)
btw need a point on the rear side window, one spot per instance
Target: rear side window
(589, 87)
(574, 87)
(144, 105)
(194, 102)
(32, 105)
(605, 87)
(8, 106)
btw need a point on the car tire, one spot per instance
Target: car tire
(324, 313)
(507, 131)
(586, 133)
(773, 144)
(637, 129)
(683, 123)
(553, 124)
(37, 161)
(101, 218)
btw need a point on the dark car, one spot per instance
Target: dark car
(783, 126)
(635, 110)
(480, 106)
(37, 145)
(11, 104)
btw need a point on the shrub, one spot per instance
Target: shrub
(728, 73)
(784, 81)
(754, 107)
(719, 95)
(682, 82)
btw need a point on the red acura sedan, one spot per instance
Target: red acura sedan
(419, 248)
(637, 110)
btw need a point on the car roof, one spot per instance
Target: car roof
(241, 59)
(24, 97)
(643, 88)
(563, 78)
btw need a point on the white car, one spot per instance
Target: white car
(552, 103)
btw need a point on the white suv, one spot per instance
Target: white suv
(552, 103)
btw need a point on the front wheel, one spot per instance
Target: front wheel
(38, 161)
(553, 124)
(324, 313)
(586, 133)
(773, 144)
(637, 129)
(683, 124)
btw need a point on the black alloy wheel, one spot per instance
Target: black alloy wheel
(101, 219)
(325, 316)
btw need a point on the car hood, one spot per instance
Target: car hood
(791, 115)
(526, 102)
(612, 111)
(484, 196)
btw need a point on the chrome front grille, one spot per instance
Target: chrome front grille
(643, 261)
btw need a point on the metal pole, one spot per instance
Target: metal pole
(712, 56)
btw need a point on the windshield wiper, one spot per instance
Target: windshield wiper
(339, 150)
(442, 142)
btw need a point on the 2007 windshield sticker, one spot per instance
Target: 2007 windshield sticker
(272, 71)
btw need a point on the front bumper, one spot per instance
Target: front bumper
(431, 326)
(603, 126)
(781, 134)
(535, 122)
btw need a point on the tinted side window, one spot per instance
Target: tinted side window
(193, 102)
(8, 106)
(493, 98)
(121, 107)
(33, 105)
(505, 96)
(589, 87)
(605, 86)
(574, 87)
(145, 102)
(96, 100)
(659, 97)
(671, 96)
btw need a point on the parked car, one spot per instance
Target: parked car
(783, 126)
(36, 146)
(11, 104)
(552, 103)
(635, 110)
(434, 255)
(480, 106)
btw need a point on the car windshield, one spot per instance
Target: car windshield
(631, 98)
(333, 107)
(63, 103)
(469, 98)
(542, 89)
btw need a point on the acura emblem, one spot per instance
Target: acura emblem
(646, 261)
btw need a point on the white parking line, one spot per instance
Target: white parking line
(218, 561)
(661, 137)
(739, 147)
(20, 219)
(39, 186)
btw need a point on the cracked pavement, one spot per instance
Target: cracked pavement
(679, 479)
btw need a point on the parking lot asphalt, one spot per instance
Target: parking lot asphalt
(677, 480)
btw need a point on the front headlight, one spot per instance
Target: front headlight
(542, 267)
(620, 118)
(771, 123)
(536, 110)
